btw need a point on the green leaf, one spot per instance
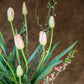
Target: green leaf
(50, 53)
(32, 56)
(56, 2)
(38, 18)
(16, 31)
(3, 47)
(2, 37)
(2, 81)
(14, 52)
(27, 79)
(2, 67)
(10, 77)
(2, 59)
(35, 60)
(65, 51)
(22, 56)
(22, 29)
(47, 70)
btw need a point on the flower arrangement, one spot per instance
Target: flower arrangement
(23, 74)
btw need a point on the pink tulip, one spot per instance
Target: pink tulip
(18, 41)
(42, 38)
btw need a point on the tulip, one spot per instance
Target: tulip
(42, 38)
(51, 22)
(24, 9)
(10, 14)
(18, 41)
(19, 71)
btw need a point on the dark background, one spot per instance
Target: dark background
(69, 28)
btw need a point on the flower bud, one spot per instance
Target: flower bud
(42, 38)
(10, 14)
(18, 41)
(24, 9)
(19, 71)
(51, 22)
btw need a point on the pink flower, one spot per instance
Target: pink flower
(56, 68)
(69, 62)
(60, 67)
(42, 38)
(47, 77)
(44, 82)
(18, 41)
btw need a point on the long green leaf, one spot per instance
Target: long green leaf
(50, 53)
(46, 71)
(13, 57)
(65, 51)
(32, 56)
(2, 60)
(22, 29)
(10, 77)
(2, 37)
(2, 67)
(35, 60)
(2, 81)
(3, 47)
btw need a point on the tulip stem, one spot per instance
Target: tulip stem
(19, 80)
(12, 28)
(41, 59)
(18, 59)
(26, 34)
(25, 61)
(50, 43)
(43, 52)
(17, 55)
(9, 68)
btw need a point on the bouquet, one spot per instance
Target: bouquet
(12, 73)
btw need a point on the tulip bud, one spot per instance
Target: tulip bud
(18, 41)
(19, 71)
(42, 38)
(51, 22)
(10, 14)
(24, 9)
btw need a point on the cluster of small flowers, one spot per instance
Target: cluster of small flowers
(54, 74)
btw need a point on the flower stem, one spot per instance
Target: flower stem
(25, 61)
(43, 53)
(26, 34)
(50, 42)
(17, 55)
(41, 59)
(19, 80)
(12, 28)
(9, 68)
(18, 59)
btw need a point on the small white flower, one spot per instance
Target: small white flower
(10, 14)
(19, 71)
(42, 38)
(51, 22)
(24, 9)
